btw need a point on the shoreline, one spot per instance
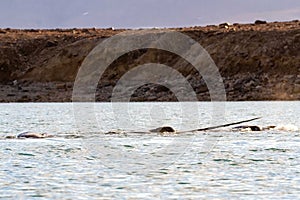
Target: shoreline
(256, 61)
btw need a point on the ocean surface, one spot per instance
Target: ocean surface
(105, 151)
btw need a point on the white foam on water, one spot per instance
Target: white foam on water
(287, 127)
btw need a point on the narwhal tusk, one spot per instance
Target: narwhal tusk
(220, 126)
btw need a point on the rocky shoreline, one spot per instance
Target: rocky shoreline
(259, 61)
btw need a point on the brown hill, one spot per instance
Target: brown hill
(257, 62)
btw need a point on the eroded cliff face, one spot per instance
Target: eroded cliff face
(257, 62)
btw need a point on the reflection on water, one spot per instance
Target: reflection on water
(222, 164)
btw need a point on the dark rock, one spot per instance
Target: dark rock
(51, 43)
(238, 84)
(160, 88)
(257, 22)
(33, 30)
(60, 86)
(85, 30)
(201, 89)
(296, 88)
(24, 98)
(297, 81)
(224, 25)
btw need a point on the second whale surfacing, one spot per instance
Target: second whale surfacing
(266, 128)
(243, 128)
(247, 128)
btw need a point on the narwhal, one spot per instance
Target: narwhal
(28, 134)
(168, 129)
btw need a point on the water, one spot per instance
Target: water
(82, 162)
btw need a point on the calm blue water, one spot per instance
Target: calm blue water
(81, 162)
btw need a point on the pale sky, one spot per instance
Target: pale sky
(141, 13)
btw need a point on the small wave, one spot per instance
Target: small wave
(287, 127)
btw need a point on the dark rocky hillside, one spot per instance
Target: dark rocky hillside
(257, 62)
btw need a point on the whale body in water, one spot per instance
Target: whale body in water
(253, 128)
(33, 135)
(163, 129)
(169, 129)
(266, 128)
